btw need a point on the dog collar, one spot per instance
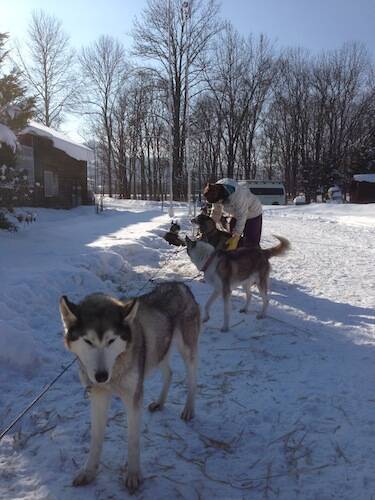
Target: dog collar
(208, 262)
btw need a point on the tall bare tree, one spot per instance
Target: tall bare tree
(104, 72)
(46, 62)
(320, 117)
(260, 73)
(239, 79)
(139, 137)
(206, 134)
(167, 40)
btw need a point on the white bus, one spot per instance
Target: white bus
(268, 192)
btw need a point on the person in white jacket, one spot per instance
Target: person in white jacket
(228, 196)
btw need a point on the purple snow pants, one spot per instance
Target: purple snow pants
(252, 232)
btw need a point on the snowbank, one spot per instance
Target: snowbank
(284, 406)
(351, 214)
(17, 347)
(65, 252)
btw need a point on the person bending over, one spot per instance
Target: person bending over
(238, 201)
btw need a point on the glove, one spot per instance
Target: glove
(233, 242)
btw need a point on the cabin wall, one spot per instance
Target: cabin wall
(60, 181)
(362, 192)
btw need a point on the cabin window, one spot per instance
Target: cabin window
(267, 190)
(25, 161)
(51, 184)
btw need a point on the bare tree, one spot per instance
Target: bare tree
(120, 142)
(227, 82)
(47, 63)
(260, 73)
(206, 136)
(139, 137)
(343, 76)
(269, 147)
(104, 73)
(320, 117)
(167, 41)
(239, 79)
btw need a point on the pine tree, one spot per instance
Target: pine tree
(15, 109)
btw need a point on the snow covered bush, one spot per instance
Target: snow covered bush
(14, 190)
(15, 110)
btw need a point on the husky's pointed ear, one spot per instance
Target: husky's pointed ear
(130, 308)
(69, 312)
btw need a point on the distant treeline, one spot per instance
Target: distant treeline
(254, 111)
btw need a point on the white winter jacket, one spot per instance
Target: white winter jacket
(241, 204)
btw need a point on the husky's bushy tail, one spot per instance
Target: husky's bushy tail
(279, 249)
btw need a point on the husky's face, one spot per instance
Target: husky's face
(198, 250)
(97, 331)
(175, 227)
(204, 222)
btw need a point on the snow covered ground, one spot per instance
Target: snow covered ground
(285, 406)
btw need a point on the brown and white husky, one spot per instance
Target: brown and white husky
(118, 343)
(226, 270)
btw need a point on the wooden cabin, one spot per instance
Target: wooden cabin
(56, 165)
(362, 188)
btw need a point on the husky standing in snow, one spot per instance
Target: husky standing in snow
(172, 236)
(225, 270)
(117, 344)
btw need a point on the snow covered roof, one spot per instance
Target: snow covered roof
(364, 177)
(60, 141)
(7, 136)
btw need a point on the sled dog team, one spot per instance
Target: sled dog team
(120, 342)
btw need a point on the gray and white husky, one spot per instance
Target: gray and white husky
(226, 270)
(117, 344)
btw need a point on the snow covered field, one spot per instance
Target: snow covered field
(285, 406)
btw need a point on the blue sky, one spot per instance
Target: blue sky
(313, 24)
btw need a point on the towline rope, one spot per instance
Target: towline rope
(66, 368)
(47, 387)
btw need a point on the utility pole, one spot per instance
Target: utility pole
(186, 14)
(170, 106)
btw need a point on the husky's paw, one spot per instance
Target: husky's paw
(187, 413)
(155, 406)
(260, 316)
(84, 477)
(133, 481)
